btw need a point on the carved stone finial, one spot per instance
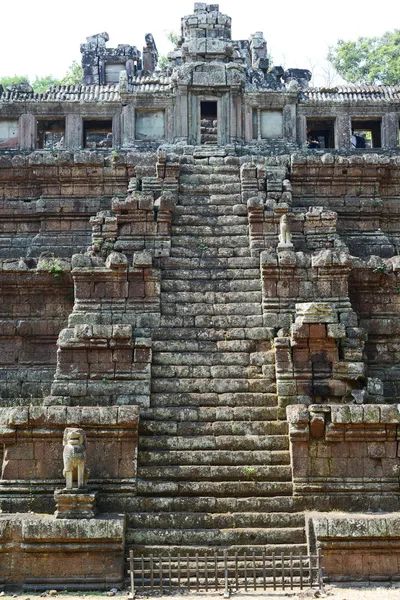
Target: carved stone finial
(285, 237)
(75, 458)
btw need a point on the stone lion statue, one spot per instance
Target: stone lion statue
(74, 455)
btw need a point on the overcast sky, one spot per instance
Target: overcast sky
(41, 37)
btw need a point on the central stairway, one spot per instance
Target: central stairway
(213, 465)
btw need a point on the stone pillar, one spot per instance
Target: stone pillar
(27, 132)
(181, 114)
(390, 130)
(343, 132)
(116, 131)
(128, 125)
(289, 122)
(73, 132)
(301, 130)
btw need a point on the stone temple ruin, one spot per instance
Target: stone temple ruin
(200, 293)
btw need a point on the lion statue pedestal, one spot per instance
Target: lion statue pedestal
(75, 501)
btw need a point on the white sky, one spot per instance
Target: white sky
(41, 37)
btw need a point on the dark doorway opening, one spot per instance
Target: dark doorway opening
(209, 122)
(366, 133)
(322, 132)
(50, 134)
(97, 133)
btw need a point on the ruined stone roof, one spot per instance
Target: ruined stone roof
(68, 93)
(352, 93)
(150, 82)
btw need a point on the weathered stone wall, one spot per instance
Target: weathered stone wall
(32, 464)
(341, 451)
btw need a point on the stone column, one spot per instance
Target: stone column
(116, 131)
(73, 132)
(27, 132)
(343, 132)
(301, 130)
(128, 125)
(390, 130)
(181, 114)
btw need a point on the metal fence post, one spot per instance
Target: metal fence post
(226, 590)
(132, 575)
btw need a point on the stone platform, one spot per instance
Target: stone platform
(42, 552)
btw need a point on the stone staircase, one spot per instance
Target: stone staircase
(209, 131)
(213, 465)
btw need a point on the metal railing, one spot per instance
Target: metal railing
(224, 570)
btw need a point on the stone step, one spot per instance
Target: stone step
(204, 346)
(217, 537)
(216, 267)
(192, 251)
(195, 179)
(210, 138)
(204, 199)
(220, 386)
(217, 400)
(179, 285)
(219, 505)
(195, 241)
(175, 328)
(211, 442)
(209, 220)
(196, 370)
(195, 310)
(192, 270)
(201, 358)
(191, 297)
(206, 230)
(215, 473)
(206, 520)
(229, 428)
(209, 169)
(205, 414)
(222, 489)
(216, 457)
(210, 189)
(184, 550)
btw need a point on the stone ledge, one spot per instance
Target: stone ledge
(356, 546)
(61, 416)
(41, 552)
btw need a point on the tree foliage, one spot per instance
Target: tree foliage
(42, 84)
(173, 39)
(374, 60)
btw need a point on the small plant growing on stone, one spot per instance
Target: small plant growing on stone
(250, 471)
(114, 157)
(382, 269)
(54, 267)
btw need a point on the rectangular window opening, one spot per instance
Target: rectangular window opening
(366, 133)
(50, 134)
(320, 133)
(97, 133)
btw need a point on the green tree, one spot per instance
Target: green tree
(42, 84)
(5, 81)
(374, 60)
(173, 38)
(74, 75)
